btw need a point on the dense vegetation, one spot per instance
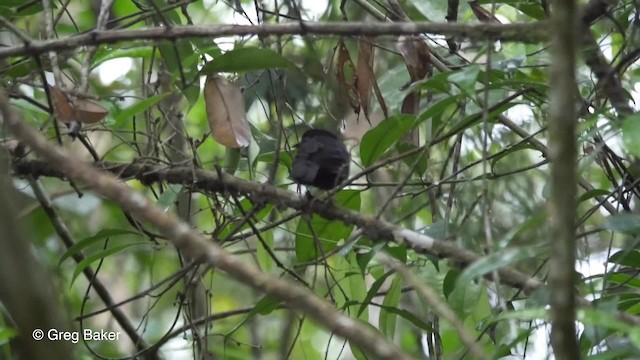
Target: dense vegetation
(482, 168)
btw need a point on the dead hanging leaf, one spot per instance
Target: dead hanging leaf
(63, 108)
(68, 110)
(417, 57)
(346, 75)
(366, 78)
(482, 14)
(226, 113)
(364, 72)
(89, 111)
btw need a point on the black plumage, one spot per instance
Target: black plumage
(322, 160)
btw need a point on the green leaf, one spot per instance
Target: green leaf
(357, 286)
(609, 320)
(92, 240)
(624, 223)
(265, 306)
(373, 291)
(357, 353)
(264, 258)
(12, 3)
(464, 298)
(623, 279)
(397, 251)
(246, 59)
(101, 255)
(631, 134)
(593, 334)
(253, 152)
(417, 161)
(30, 112)
(191, 92)
(239, 217)
(439, 108)
(612, 355)
(283, 158)
(379, 139)
(449, 283)
(592, 194)
(128, 113)
(466, 79)
(407, 316)
(6, 334)
(524, 315)
(111, 53)
(169, 196)
(438, 83)
(328, 233)
(626, 258)
(7, 12)
(174, 54)
(363, 259)
(497, 260)
(19, 67)
(391, 83)
(391, 300)
(534, 221)
(33, 8)
(476, 118)
(532, 10)
(502, 351)
(231, 160)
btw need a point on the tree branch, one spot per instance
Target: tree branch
(203, 180)
(195, 245)
(378, 230)
(563, 151)
(528, 33)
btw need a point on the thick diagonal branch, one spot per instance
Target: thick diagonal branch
(195, 245)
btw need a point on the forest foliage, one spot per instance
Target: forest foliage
(449, 142)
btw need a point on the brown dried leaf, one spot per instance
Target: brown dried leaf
(63, 108)
(68, 110)
(226, 113)
(346, 76)
(411, 104)
(383, 104)
(364, 72)
(418, 60)
(416, 55)
(89, 111)
(366, 78)
(482, 14)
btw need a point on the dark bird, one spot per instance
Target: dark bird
(322, 160)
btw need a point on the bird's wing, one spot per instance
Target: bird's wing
(333, 158)
(308, 147)
(303, 170)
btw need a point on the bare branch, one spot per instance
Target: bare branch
(563, 179)
(196, 246)
(204, 180)
(528, 33)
